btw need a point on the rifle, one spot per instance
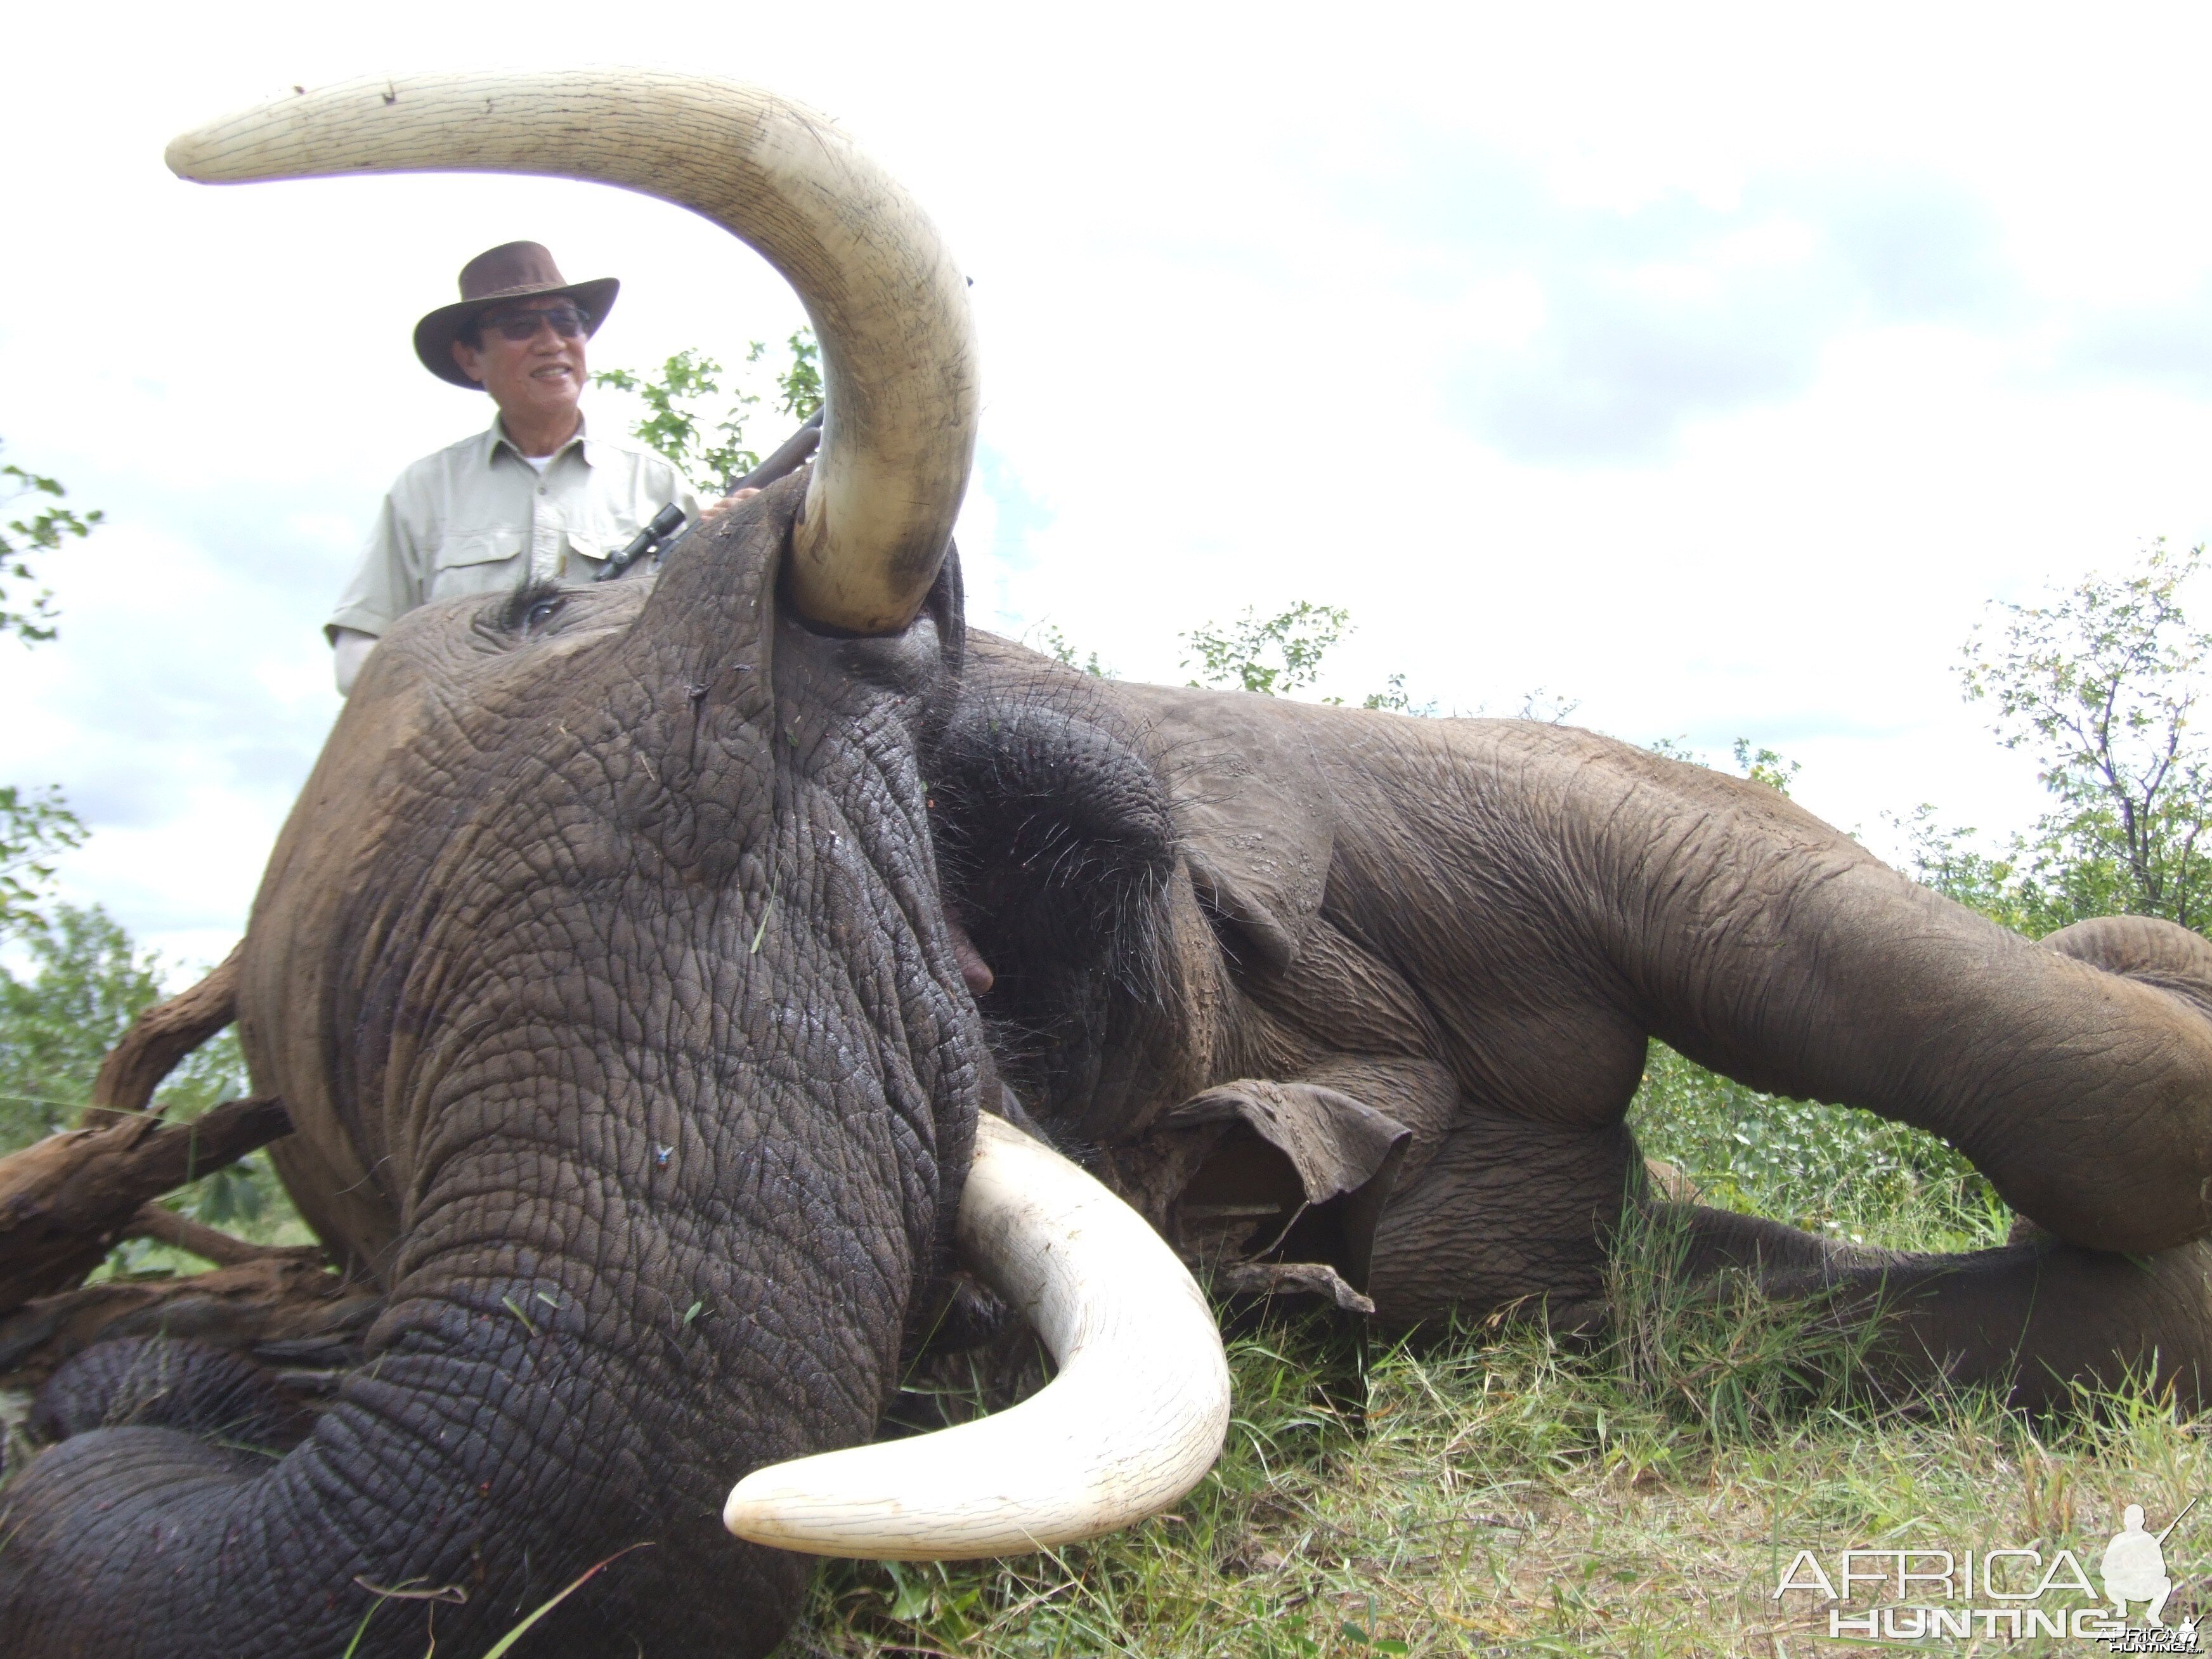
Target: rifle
(2176, 1522)
(666, 530)
(794, 450)
(660, 538)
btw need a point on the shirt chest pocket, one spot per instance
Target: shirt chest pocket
(477, 562)
(595, 542)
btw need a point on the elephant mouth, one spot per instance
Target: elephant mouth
(1134, 1418)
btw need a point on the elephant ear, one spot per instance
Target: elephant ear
(1255, 819)
(1327, 1164)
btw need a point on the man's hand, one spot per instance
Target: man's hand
(714, 510)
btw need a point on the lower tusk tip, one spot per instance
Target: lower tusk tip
(750, 1518)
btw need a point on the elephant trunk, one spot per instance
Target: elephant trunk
(1133, 1421)
(887, 303)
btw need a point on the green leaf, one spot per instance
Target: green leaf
(910, 1602)
(802, 383)
(697, 423)
(2098, 685)
(1272, 656)
(1056, 645)
(75, 983)
(32, 620)
(35, 827)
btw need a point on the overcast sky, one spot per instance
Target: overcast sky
(1714, 368)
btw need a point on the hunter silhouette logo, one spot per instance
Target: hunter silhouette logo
(2005, 1593)
(2134, 1567)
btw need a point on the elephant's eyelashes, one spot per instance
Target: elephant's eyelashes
(531, 607)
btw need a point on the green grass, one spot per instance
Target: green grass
(1829, 1168)
(1498, 1491)
(1502, 1495)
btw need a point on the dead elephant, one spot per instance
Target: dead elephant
(639, 960)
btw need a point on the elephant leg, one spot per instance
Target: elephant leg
(2035, 1319)
(1510, 1211)
(1711, 912)
(2076, 1075)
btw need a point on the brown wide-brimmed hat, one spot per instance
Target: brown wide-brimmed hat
(513, 270)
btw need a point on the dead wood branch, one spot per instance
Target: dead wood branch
(161, 1036)
(166, 1226)
(284, 1308)
(64, 1200)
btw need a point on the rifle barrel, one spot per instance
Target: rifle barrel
(2176, 1522)
(794, 449)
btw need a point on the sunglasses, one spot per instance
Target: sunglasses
(566, 321)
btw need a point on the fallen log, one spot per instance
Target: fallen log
(161, 1036)
(284, 1308)
(65, 1200)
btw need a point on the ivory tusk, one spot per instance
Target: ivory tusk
(1134, 1418)
(887, 303)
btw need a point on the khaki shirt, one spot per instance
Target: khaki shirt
(477, 518)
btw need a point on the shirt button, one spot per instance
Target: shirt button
(541, 489)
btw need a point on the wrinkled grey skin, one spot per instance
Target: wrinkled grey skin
(1389, 983)
(1325, 993)
(602, 968)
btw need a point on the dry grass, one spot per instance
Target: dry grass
(1503, 1495)
(1500, 1492)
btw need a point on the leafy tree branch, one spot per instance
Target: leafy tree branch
(2100, 686)
(35, 827)
(699, 424)
(1057, 646)
(1273, 656)
(31, 619)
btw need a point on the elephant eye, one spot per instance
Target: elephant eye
(532, 607)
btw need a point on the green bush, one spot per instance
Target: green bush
(87, 981)
(1832, 1170)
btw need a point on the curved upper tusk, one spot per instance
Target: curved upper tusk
(890, 308)
(1133, 1421)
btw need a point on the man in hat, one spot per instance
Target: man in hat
(532, 499)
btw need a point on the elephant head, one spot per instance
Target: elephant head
(603, 968)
